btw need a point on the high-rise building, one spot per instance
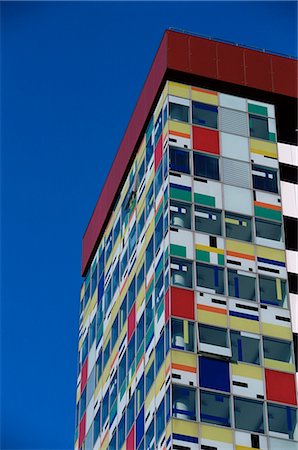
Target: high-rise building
(190, 261)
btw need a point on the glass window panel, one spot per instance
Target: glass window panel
(205, 166)
(150, 378)
(96, 426)
(264, 179)
(183, 335)
(183, 402)
(273, 291)
(131, 293)
(210, 277)
(149, 254)
(249, 415)
(123, 313)
(131, 351)
(132, 240)
(282, 419)
(181, 272)
(150, 437)
(160, 420)
(277, 349)
(158, 233)
(213, 335)
(140, 331)
(130, 413)
(140, 394)
(215, 408)
(141, 223)
(105, 408)
(121, 432)
(140, 278)
(116, 230)
(180, 214)
(112, 444)
(208, 220)
(241, 285)
(149, 312)
(268, 230)
(179, 112)
(83, 403)
(158, 180)
(115, 328)
(159, 352)
(179, 160)
(238, 227)
(205, 115)
(245, 348)
(258, 127)
(98, 366)
(92, 330)
(122, 370)
(149, 200)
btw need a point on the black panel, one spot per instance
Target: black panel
(295, 340)
(288, 173)
(291, 233)
(255, 441)
(293, 282)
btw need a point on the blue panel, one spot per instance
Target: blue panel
(140, 427)
(214, 374)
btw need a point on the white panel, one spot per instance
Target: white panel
(233, 121)
(288, 154)
(280, 444)
(233, 146)
(253, 389)
(292, 261)
(238, 199)
(89, 414)
(244, 439)
(179, 100)
(91, 358)
(217, 444)
(289, 197)
(236, 173)
(230, 101)
(294, 311)
(270, 243)
(211, 188)
(183, 238)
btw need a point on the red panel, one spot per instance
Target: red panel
(84, 375)
(131, 322)
(167, 305)
(258, 70)
(182, 303)
(178, 51)
(230, 64)
(158, 153)
(82, 430)
(203, 57)
(280, 387)
(205, 140)
(130, 441)
(284, 73)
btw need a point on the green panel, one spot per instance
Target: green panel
(160, 310)
(221, 260)
(272, 137)
(166, 196)
(140, 354)
(257, 109)
(166, 253)
(180, 194)
(158, 213)
(150, 333)
(113, 411)
(149, 290)
(123, 389)
(201, 255)
(158, 269)
(204, 199)
(267, 213)
(178, 250)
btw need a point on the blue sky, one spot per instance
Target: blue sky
(71, 74)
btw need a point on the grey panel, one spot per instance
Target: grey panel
(236, 173)
(233, 121)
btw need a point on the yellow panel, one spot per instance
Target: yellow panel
(140, 298)
(168, 430)
(277, 331)
(179, 127)
(185, 427)
(246, 370)
(149, 362)
(237, 323)
(279, 365)
(243, 447)
(216, 434)
(263, 148)
(82, 291)
(78, 394)
(271, 253)
(160, 379)
(201, 95)
(178, 89)
(150, 231)
(184, 358)
(91, 306)
(105, 443)
(150, 397)
(240, 247)
(165, 130)
(159, 105)
(206, 248)
(220, 320)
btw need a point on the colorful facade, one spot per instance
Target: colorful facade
(185, 338)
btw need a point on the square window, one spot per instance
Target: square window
(249, 415)
(213, 336)
(258, 127)
(206, 166)
(264, 179)
(208, 220)
(273, 291)
(268, 230)
(180, 214)
(277, 349)
(211, 278)
(205, 115)
(245, 348)
(238, 227)
(179, 112)
(242, 285)
(184, 402)
(183, 335)
(181, 272)
(282, 419)
(179, 160)
(215, 408)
